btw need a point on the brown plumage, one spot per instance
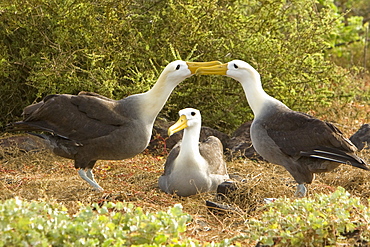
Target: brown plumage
(299, 142)
(88, 127)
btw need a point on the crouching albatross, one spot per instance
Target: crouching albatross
(193, 167)
(88, 127)
(299, 142)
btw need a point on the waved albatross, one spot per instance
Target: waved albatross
(193, 167)
(88, 127)
(299, 142)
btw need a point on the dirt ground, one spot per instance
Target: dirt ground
(43, 176)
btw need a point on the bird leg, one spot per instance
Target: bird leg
(301, 191)
(89, 177)
(90, 174)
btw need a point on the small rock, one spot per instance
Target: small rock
(240, 144)
(362, 137)
(23, 143)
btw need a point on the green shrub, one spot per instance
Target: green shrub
(43, 224)
(323, 220)
(349, 40)
(118, 48)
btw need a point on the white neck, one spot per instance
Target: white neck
(189, 151)
(256, 96)
(152, 101)
(190, 141)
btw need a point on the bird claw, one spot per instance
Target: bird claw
(89, 177)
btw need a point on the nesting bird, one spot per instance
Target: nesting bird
(88, 127)
(193, 167)
(297, 141)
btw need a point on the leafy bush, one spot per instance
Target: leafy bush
(119, 48)
(323, 220)
(42, 224)
(350, 38)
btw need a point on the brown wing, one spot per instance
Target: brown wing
(95, 95)
(168, 165)
(212, 151)
(98, 107)
(296, 132)
(76, 117)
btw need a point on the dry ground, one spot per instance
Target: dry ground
(43, 176)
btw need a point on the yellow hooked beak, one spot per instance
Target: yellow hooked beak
(193, 66)
(182, 123)
(219, 69)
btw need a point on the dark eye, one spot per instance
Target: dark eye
(235, 66)
(192, 113)
(178, 67)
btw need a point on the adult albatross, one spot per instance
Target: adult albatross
(299, 142)
(193, 167)
(88, 127)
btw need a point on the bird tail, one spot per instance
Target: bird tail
(25, 127)
(30, 128)
(336, 155)
(42, 136)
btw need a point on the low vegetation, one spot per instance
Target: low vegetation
(322, 220)
(45, 224)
